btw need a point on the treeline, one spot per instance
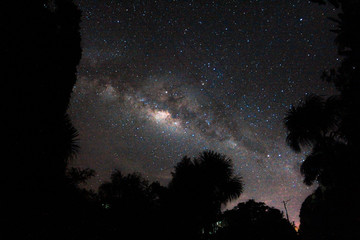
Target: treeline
(331, 127)
(41, 197)
(189, 207)
(39, 50)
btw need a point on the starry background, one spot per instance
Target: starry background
(162, 79)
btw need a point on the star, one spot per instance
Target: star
(160, 82)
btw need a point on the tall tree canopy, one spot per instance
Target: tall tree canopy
(331, 127)
(198, 189)
(40, 50)
(254, 220)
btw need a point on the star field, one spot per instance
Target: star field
(162, 79)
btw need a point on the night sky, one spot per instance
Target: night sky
(162, 79)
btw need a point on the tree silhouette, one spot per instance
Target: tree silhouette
(254, 220)
(40, 50)
(125, 192)
(78, 176)
(311, 122)
(131, 205)
(330, 126)
(198, 189)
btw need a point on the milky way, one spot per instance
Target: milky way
(162, 79)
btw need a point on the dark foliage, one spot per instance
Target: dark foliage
(189, 208)
(304, 130)
(40, 50)
(254, 220)
(131, 206)
(331, 127)
(42, 199)
(329, 214)
(198, 189)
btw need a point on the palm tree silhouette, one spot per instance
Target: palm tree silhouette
(199, 187)
(310, 122)
(332, 129)
(211, 172)
(314, 123)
